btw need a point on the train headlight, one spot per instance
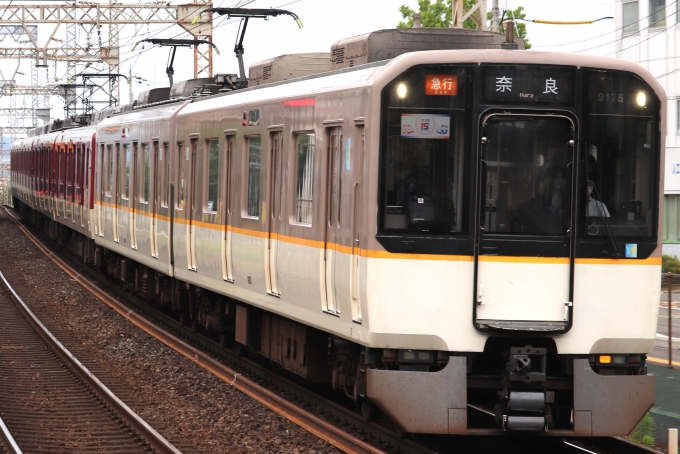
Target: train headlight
(641, 99)
(416, 356)
(401, 91)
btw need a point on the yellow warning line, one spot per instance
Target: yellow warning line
(662, 361)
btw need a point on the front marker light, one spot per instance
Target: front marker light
(416, 356)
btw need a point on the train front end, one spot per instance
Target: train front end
(516, 275)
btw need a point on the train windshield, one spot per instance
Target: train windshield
(618, 184)
(422, 163)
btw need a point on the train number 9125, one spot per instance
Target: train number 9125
(611, 97)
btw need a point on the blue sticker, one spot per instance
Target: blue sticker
(631, 250)
(348, 148)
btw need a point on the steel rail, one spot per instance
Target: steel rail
(322, 429)
(7, 440)
(141, 427)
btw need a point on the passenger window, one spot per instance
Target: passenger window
(254, 160)
(213, 149)
(304, 182)
(146, 174)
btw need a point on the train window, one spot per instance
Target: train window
(146, 173)
(254, 161)
(213, 158)
(304, 182)
(182, 157)
(125, 184)
(165, 158)
(618, 180)
(424, 118)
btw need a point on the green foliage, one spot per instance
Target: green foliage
(670, 264)
(438, 15)
(644, 432)
(434, 15)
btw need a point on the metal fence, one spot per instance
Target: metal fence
(671, 283)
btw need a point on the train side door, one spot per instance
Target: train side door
(191, 205)
(135, 192)
(355, 160)
(227, 265)
(332, 237)
(524, 257)
(154, 186)
(115, 193)
(274, 215)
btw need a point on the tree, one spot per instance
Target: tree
(434, 15)
(438, 15)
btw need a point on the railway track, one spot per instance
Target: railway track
(50, 402)
(316, 413)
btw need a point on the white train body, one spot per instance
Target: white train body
(322, 245)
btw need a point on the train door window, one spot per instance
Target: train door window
(146, 174)
(125, 184)
(109, 171)
(164, 158)
(229, 145)
(182, 157)
(69, 173)
(158, 175)
(211, 187)
(78, 172)
(254, 147)
(304, 180)
(62, 172)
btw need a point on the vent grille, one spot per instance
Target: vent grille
(338, 56)
(267, 72)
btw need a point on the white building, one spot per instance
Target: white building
(648, 32)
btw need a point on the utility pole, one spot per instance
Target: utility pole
(495, 17)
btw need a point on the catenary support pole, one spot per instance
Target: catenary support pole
(670, 321)
(495, 17)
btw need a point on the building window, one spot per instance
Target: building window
(630, 17)
(304, 183)
(213, 147)
(254, 159)
(677, 115)
(657, 13)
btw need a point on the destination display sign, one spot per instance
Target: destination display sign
(528, 84)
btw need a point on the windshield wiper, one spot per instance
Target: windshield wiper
(607, 227)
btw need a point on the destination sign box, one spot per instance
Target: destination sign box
(525, 84)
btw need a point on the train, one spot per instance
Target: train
(455, 232)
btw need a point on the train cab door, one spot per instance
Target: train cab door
(191, 206)
(333, 193)
(274, 215)
(524, 254)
